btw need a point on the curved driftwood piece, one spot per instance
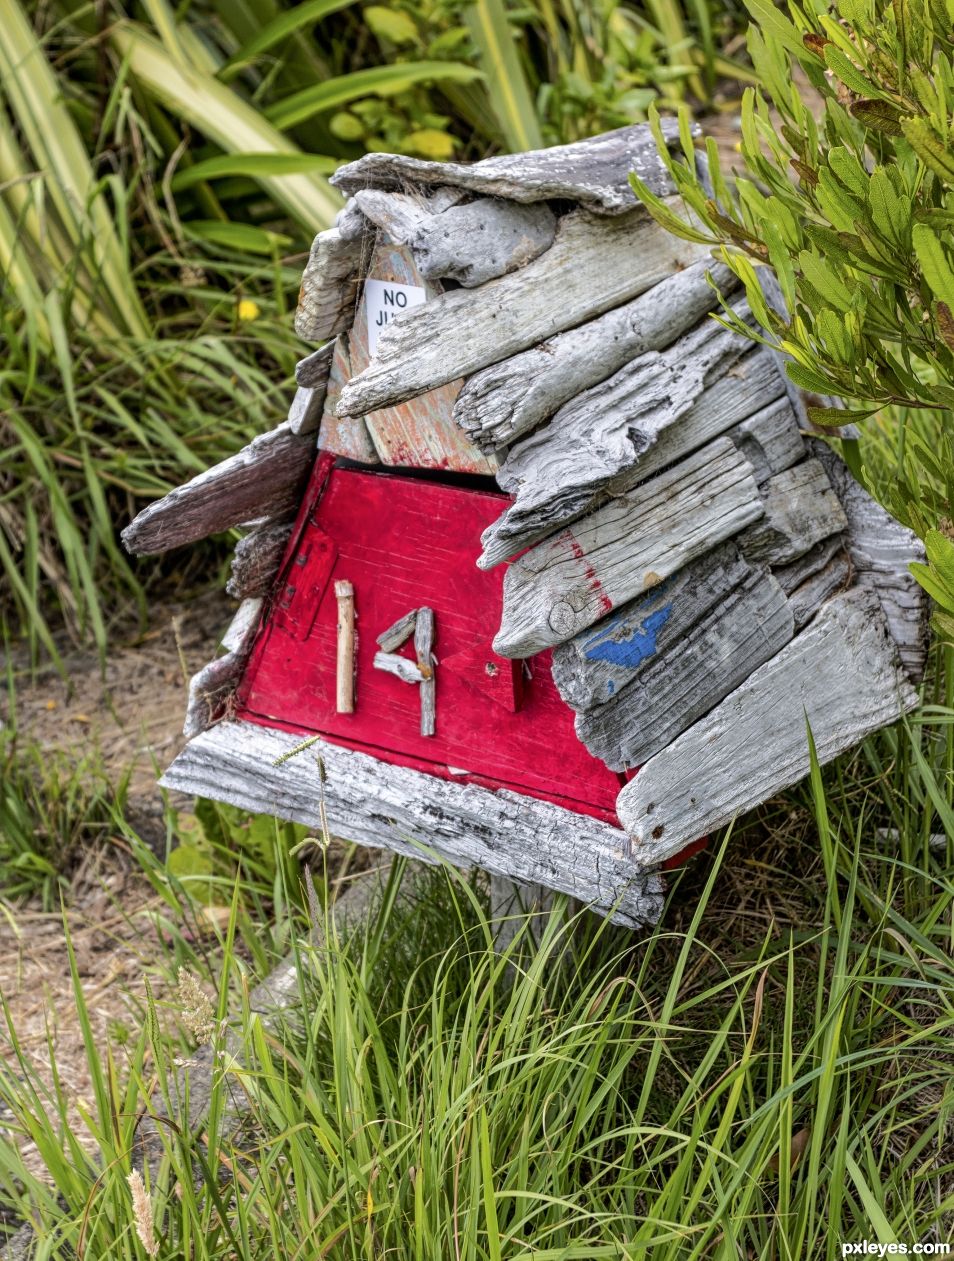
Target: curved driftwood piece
(376, 804)
(742, 632)
(344, 435)
(481, 240)
(801, 509)
(842, 673)
(263, 481)
(211, 688)
(256, 560)
(329, 286)
(557, 473)
(593, 667)
(594, 173)
(570, 581)
(589, 269)
(509, 399)
(881, 549)
(312, 371)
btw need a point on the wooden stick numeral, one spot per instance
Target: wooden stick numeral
(344, 594)
(420, 624)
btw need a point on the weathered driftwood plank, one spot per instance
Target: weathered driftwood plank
(509, 399)
(396, 808)
(263, 481)
(842, 673)
(568, 582)
(770, 440)
(594, 173)
(590, 268)
(329, 286)
(881, 549)
(399, 215)
(481, 240)
(791, 576)
(312, 371)
(736, 636)
(256, 560)
(304, 415)
(557, 473)
(749, 386)
(593, 667)
(344, 435)
(211, 688)
(807, 599)
(420, 433)
(801, 509)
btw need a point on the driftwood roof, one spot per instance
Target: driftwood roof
(706, 570)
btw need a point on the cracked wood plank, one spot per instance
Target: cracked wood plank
(264, 480)
(881, 549)
(570, 581)
(558, 472)
(394, 807)
(592, 266)
(597, 664)
(594, 172)
(842, 673)
(807, 598)
(737, 635)
(801, 509)
(509, 399)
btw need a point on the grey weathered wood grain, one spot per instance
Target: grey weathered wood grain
(256, 560)
(399, 633)
(770, 440)
(595, 666)
(212, 687)
(881, 549)
(481, 240)
(402, 668)
(791, 576)
(592, 266)
(740, 633)
(329, 286)
(312, 372)
(842, 673)
(568, 582)
(593, 172)
(304, 415)
(352, 225)
(263, 481)
(509, 399)
(344, 435)
(424, 649)
(401, 214)
(557, 473)
(801, 509)
(396, 808)
(810, 595)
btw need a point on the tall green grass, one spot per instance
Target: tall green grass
(765, 1075)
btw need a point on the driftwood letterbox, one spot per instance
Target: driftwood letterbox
(545, 555)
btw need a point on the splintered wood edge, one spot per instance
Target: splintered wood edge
(421, 816)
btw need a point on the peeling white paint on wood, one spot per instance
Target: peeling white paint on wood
(570, 581)
(743, 631)
(511, 398)
(376, 804)
(264, 480)
(589, 269)
(842, 673)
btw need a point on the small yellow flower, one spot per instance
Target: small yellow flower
(248, 310)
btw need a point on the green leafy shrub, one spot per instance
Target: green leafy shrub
(853, 210)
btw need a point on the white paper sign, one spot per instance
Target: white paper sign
(384, 300)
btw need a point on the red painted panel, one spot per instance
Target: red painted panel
(404, 543)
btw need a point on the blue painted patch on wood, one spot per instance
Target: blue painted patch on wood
(632, 648)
